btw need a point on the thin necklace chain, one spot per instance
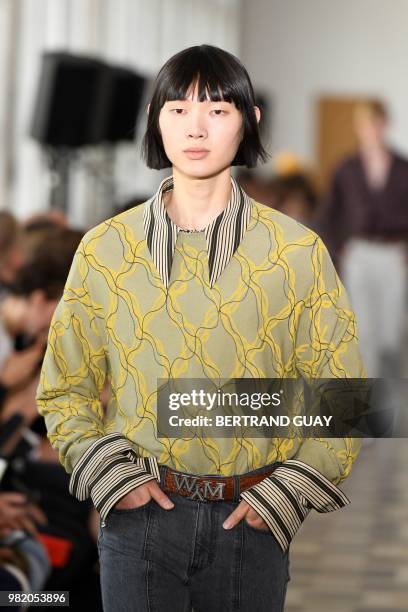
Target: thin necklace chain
(191, 230)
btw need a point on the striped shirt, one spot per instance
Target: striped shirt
(222, 235)
(253, 295)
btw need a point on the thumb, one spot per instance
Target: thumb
(160, 497)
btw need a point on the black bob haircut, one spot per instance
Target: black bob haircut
(220, 74)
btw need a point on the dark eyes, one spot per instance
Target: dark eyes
(218, 111)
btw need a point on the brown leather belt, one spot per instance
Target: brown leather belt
(210, 488)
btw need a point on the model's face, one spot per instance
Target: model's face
(213, 129)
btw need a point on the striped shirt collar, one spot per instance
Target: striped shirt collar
(223, 234)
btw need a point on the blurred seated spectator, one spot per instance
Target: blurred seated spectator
(69, 536)
(50, 218)
(292, 188)
(23, 558)
(37, 227)
(11, 251)
(255, 185)
(288, 187)
(28, 309)
(294, 195)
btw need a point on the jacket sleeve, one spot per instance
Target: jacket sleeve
(325, 347)
(103, 465)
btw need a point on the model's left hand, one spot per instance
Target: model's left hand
(246, 512)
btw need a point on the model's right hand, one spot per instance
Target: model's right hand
(142, 494)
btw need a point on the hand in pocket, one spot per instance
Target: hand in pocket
(142, 494)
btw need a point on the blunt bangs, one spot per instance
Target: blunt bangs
(219, 76)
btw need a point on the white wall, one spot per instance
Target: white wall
(298, 49)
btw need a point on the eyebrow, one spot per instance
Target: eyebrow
(185, 101)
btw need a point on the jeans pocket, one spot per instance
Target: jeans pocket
(265, 532)
(130, 510)
(124, 532)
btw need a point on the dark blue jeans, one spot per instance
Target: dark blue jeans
(156, 560)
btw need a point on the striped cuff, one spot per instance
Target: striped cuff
(285, 498)
(108, 470)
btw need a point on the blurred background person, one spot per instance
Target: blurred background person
(18, 241)
(292, 188)
(288, 186)
(50, 544)
(11, 251)
(255, 185)
(364, 221)
(25, 313)
(24, 563)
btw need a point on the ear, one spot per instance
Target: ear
(257, 113)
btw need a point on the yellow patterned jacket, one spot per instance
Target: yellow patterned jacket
(253, 295)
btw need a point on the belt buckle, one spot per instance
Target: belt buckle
(199, 489)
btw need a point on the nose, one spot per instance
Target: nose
(196, 132)
(196, 128)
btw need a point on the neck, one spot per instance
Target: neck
(194, 202)
(374, 149)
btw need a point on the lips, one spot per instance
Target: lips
(196, 153)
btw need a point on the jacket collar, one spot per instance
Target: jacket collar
(223, 234)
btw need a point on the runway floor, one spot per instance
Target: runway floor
(356, 559)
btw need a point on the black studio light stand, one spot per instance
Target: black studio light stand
(83, 110)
